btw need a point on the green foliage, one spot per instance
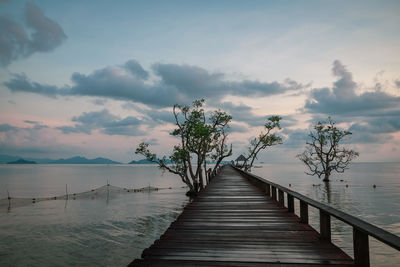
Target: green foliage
(200, 139)
(323, 153)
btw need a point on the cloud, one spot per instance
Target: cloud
(152, 141)
(197, 82)
(13, 40)
(21, 83)
(342, 98)
(372, 116)
(295, 138)
(106, 122)
(397, 83)
(45, 35)
(136, 69)
(173, 84)
(244, 113)
(99, 102)
(237, 128)
(36, 125)
(10, 128)
(7, 128)
(381, 125)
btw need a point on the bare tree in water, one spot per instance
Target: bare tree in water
(323, 154)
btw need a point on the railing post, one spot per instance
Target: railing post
(290, 203)
(303, 212)
(268, 190)
(361, 248)
(281, 197)
(273, 192)
(325, 225)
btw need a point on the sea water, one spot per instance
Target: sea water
(352, 192)
(114, 231)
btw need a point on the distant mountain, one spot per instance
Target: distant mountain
(83, 160)
(21, 161)
(7, 158)
(74, 160)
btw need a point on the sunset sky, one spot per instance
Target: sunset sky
(95, 78)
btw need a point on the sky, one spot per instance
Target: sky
(96, 78)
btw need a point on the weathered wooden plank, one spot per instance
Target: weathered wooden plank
(193, 263)
(372, 230)
(233, 223)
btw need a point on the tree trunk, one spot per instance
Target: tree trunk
(201, 179)
(326, 177)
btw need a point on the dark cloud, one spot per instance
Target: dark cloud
(382, 125)
(342, 97)
(7, 128)
(15, 42)
(244, 113)
(238, 128)
(21, 83)
(106, 122)
(373, 116)
(175, 84)
(136, 69)
(153, 116)
(47, 34)
(36, 125)
(197, 82)
(397, 83)
(294, 138)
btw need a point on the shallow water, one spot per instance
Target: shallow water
(114, 231)
(84, 232)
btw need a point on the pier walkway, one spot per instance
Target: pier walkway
(234, 223)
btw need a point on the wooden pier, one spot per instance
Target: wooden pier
(235, 221)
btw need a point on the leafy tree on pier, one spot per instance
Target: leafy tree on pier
(323, 154)
(264, 140)
(200, 139)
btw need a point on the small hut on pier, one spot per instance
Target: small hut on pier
(240, 161)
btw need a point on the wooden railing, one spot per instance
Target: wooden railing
(361, 229)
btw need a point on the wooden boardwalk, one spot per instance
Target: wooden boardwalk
(233, 223)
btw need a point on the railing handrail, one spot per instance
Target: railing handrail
(382, 235)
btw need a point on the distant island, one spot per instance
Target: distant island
(21, 161)
(6, 159)
(83, 160)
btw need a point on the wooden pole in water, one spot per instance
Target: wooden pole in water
(66, 191)
(9, 201)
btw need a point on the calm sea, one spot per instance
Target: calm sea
(113, 231)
